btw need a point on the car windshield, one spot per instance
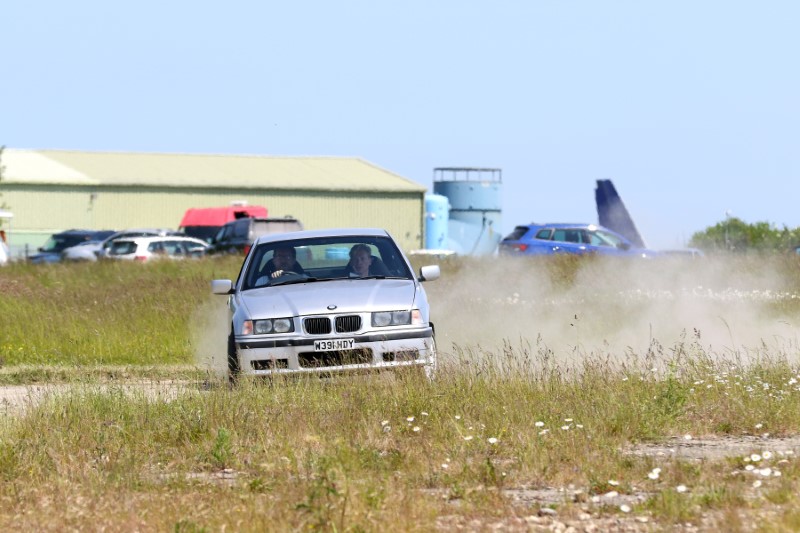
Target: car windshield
(603, 238)
(323, 259)
(56, 243)
(122, 247)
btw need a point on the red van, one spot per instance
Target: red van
(204, 222)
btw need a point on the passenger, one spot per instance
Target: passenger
(284, 261)
(363, 264)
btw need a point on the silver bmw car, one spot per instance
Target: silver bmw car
(326, 302)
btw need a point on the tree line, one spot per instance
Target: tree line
(735, 235)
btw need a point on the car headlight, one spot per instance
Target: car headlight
(282, 325)
(270, 325)
(396, 318)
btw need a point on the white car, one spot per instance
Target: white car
(303, 304)
(149, 248)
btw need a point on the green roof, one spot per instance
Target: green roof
(62, 167)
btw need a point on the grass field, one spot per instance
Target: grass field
(571, 394)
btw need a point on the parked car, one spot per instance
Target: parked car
(93, 250)
(237, 236)
(320, 319)
(50, 252)
(552, 239)
(150, 248)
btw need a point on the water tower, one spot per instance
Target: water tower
(475, 207)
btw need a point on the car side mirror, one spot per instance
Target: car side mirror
(221, 286)
(625, 245)
(429, 273)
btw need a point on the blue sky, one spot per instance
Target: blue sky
(691, 108)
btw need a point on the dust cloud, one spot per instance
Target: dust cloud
(615, 307)
(210, 328)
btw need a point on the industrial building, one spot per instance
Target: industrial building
(53, 190)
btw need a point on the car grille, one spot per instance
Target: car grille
(317, 326)
(348, 323)
(325, 359)
(322, 325)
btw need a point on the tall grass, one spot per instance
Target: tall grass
(368, 453)
(105, 313)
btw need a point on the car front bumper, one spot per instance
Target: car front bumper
(371, 352)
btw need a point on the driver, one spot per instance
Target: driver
(284, 261)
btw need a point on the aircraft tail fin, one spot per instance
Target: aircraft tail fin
(613, 214)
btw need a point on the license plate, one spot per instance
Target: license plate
(334, 344)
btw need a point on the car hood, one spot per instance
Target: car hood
(325, 297)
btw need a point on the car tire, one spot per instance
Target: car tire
(430, 370)
(233, 360)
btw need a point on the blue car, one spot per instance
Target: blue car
(579, 239)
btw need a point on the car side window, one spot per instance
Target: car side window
(544, 234)
(241, 228)
(155, 247)
(567, 235)
(220, 234)
(173, 247)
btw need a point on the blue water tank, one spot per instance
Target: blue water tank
(437, 216)
(475, 207)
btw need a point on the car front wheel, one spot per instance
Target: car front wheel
(233, 359)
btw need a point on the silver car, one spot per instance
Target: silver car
(326, 302)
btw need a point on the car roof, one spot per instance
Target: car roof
(263, 219)
(585, 225)
(315, 233)
(83, 232)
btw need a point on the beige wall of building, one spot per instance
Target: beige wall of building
(44, 209)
